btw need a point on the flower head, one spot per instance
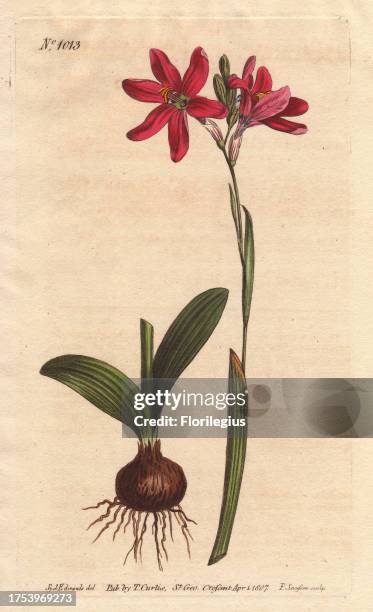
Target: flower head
(259, 104)
(176, 97)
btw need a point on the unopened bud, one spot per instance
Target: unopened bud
(213, 129)
(234, 147)
(220, 89)
(231, 97)
(224, 67)
(233, 116)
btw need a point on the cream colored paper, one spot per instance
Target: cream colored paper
(108, 231)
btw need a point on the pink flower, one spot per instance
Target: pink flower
(259, 104)
(177, 98)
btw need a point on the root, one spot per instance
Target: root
(103, 516)
(132, 513)
(185, 516)
(125, 510)
(135, 549)
(104, 501)
(185, 526)
(159, 527)
(184, 530)
(170, 521)
(128, 553)
(159, 554)
(105, 527)
(143, 530)
(128, 521)
(164, 524)
(134, 524)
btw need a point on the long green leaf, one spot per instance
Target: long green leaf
(235, 461)
(248, 267)
(147, 350)
(100, 383)
(188, 333)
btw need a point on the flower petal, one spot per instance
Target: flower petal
(283, 125)
(197, 73)
(178, 135)
(164, 70)
(204, 107)
(263, 81)
(245, 103)
(234, 82)
(271, 104)
(249, 67)
(154, 122)
(143, 90)
(296, 107)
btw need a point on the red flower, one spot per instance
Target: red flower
(177, 97)
(259, 104)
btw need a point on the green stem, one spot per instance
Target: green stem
(241, 252)
(236, 442)
(227, 135)
(236, 192)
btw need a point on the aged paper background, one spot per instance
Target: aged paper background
(108, 230)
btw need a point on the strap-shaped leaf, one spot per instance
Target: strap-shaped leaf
(100, 383)
(188, 333)
(147, 343)
(235, 460)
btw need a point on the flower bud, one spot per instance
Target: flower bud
(224, 67)
(234, 147)
(231, 96)
(220, 89)
(233, 116)
(213, 129)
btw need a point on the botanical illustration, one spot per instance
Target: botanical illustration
(150, 489)
(151, 485)
(244, 102)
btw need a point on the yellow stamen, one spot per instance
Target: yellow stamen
(164, 91)
(260, 94)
